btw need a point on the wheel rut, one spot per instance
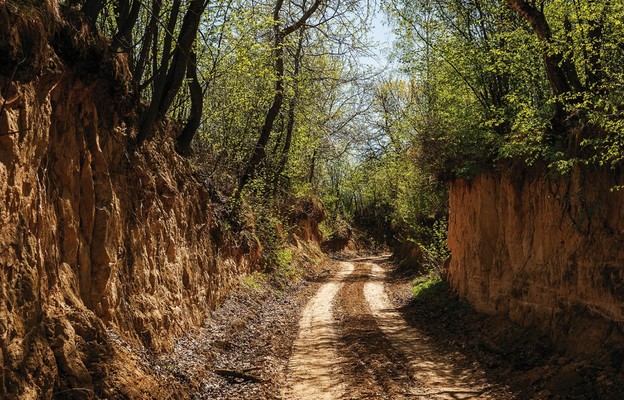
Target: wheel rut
(314, 367)
(435, 376)
(372, 367)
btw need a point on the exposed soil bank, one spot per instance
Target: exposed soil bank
(544, 252)
(98, 240)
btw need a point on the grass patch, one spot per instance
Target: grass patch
(425, 287)
(286, 268)
(256, 281)
(435, 293)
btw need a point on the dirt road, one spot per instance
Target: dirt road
(353, 330)
(353, 344)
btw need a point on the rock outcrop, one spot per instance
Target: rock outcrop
(545, 252)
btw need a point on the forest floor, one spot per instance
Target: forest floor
(353, 330)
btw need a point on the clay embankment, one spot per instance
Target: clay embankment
(547, 253)
(96, 240)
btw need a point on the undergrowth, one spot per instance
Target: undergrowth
(426, 286)
(256, 281)
(435, 291)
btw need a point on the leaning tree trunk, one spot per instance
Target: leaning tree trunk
(560, 71)
(167, 86)
(290, 124)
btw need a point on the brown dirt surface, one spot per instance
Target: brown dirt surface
(519, 358)
(242, 351)
(314, 367)
(438, 374)
(380, 355)
(373, 368)
(353, 330)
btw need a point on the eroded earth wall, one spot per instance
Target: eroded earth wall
(99, 241)
(547, 252)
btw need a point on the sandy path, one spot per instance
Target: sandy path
(314, 367)
(436, 377)
(372, 368)
(354, 344)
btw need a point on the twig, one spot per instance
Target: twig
(73, 390)
(474, 392)
(4, 103)
(237, 376)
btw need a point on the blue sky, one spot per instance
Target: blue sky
(381, 34)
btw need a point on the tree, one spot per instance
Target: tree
(170, 76)
(279, 36)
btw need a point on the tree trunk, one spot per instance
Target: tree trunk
(183, 142)
(167, 85)
(126, 20)
(92, 9)
(150, 36)
(561, 72)
(177, 71)
(552, 62)
(290, 124)
(150, 115)
(259, 152)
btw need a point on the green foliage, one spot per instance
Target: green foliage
(286, 267)
(436, 252)
(384, 187)
(472, 91)
(335, 226)
(269, 229)
(487, 97)
(427, 286)
(256, 281)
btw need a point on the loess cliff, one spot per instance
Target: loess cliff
(547, 252)
(100, 244)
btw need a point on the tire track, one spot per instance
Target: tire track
(314, 367)
(437, 378)
(367, 350)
